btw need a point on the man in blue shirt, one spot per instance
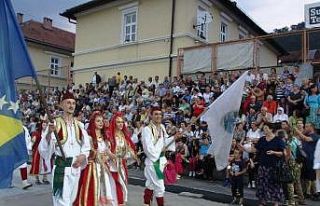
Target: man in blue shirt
(309, 142)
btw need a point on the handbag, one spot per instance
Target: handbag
(282, 172)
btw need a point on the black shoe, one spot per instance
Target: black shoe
(46, 182)
(234, 201)
(315, 197)
(27, 186)
(38, 182)
(302, 202)
(286, 203)
(307, 196)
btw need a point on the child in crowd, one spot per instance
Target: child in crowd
(179, 164)
(170, 174)
(236, 171)
(252, 166)
(230, 159)
(193, 162)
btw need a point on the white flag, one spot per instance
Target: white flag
(221, 117)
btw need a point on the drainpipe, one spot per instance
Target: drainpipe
(171, 36)
(71, 21)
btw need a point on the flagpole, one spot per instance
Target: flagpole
(43, 102)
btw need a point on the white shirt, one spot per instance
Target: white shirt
(207, 96)
(28, 139)
(94, 79)
(280, 117)
(71, 147)
(316, 161)
(152, 147)
(253, 134)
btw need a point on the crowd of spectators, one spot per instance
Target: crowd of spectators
(272, 102)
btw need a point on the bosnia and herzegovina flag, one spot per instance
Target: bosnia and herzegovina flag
(14, 63)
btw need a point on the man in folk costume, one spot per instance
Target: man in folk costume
(122, 148)
(155, 141)
(71, 157)
(39, 164)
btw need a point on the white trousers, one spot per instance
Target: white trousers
(318, 180)
(70, 187)
(153, 183)
(24, 165)
(104, 185)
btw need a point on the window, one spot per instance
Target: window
(223, 32)
(243, 33)
(129, 25)
(54, 66)
(203, 18)
(241, 36)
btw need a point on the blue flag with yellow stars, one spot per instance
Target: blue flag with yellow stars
(14, 63)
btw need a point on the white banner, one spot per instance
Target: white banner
(229, 57)
(221, 117)
(197, 60)
(235, 56)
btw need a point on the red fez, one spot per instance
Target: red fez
(153, 109)
(67, 95)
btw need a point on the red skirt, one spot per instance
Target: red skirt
(87, 188)
(35, 165)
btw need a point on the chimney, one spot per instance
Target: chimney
(20, 18)
(47, 23)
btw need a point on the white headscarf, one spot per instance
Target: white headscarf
(280, 117)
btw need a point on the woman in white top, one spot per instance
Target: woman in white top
(254, 134)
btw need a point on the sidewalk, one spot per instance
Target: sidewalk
(210, 190)
(16, 192)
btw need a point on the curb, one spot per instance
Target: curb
(207, 195)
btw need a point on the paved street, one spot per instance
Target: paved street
(41, 196)
(135, 199)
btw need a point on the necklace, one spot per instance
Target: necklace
(119, 134)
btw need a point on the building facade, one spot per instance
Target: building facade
(141, 37)
(50, 49)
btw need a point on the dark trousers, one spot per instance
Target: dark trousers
(251, 174)
(237, 186)
(111, 88)
(208, 167)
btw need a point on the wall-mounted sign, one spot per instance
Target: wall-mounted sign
(312, 15)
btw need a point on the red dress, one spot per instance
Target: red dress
(94, 183)
(117, 144)
(193, 161)
(170, 173)
(178, 164)
(36, 158)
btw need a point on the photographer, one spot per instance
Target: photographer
(204, 144)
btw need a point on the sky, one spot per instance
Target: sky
(268, 14)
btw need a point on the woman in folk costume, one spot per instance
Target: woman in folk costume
(94, 184)
(39, 165)
(122, 148)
